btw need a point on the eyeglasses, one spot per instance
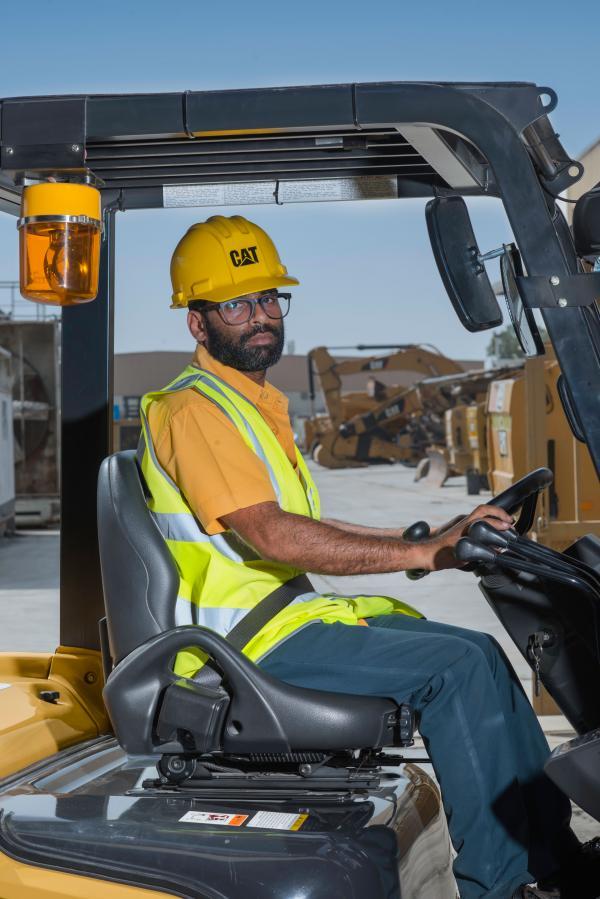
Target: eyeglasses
(238, 312)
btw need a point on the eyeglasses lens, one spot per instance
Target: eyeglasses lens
(237, 312)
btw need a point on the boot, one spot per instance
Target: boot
(580, 879)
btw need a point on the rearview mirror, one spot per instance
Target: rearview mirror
(459, 263)
(586, 224)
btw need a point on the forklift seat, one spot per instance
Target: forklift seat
(156, 712)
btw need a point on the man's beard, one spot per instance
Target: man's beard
(237, 354)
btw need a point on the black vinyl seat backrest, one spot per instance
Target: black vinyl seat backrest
(139, 575)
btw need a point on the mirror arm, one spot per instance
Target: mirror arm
(492, 254)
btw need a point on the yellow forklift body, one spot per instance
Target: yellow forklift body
(19, 881)
(34, 723)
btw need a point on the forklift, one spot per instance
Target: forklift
(121, 779)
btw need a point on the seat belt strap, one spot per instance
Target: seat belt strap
(266, 609)
(209, 675)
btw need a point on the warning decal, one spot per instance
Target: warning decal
(365, 187)
(277, 820)
(221, 818)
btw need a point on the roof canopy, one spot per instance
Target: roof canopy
(277, 145)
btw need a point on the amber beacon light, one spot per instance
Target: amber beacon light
(59, 236)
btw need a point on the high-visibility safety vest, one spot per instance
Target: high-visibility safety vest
(221, 578)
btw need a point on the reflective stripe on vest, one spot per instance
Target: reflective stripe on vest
(221, 578)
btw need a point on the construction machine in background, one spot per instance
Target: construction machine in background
(435, 424)
(452, 418)
(487, 440)
(366, 427)
(525, 416)
(466, 446)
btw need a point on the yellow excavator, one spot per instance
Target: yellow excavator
(378, 425)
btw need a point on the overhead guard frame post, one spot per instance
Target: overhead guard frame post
(86, 436)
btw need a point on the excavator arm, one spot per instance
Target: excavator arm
(435, 394)
(405, 424)
(410, 357)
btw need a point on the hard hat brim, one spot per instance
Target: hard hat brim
(231, 292)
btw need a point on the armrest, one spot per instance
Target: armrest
(250, 712)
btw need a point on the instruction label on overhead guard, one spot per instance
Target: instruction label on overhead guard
(277, 820)
(219, 194)
(369, 187)
(220, 818)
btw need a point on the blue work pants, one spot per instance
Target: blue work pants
(508, 823)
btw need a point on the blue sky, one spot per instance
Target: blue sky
(366, 268)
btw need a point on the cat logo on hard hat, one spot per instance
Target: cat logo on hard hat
(245, 256)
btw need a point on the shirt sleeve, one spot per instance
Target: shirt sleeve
(204, 453)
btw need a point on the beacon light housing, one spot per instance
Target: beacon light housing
(59, 243)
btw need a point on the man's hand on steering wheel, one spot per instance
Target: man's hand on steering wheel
(438, 552)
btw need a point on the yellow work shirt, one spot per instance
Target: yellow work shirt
(204, 453)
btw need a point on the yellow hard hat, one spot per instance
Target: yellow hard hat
(223, 258)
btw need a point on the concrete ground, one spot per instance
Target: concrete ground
(29, 578)
(383, 496)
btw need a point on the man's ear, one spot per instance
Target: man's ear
(195, 322)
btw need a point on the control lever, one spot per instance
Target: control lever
(483, 532)
(466, 550)
(418, 531)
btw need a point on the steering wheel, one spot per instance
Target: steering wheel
(521, 495)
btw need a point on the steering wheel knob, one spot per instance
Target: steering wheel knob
(418, 531)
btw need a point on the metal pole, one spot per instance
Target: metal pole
(22, 399)
(87, 397)
(536, 449)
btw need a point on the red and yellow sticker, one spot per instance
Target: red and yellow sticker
(220, 818)
(266, 820)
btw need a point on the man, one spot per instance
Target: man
(240, 513)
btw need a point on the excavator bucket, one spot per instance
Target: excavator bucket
(433, 469)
